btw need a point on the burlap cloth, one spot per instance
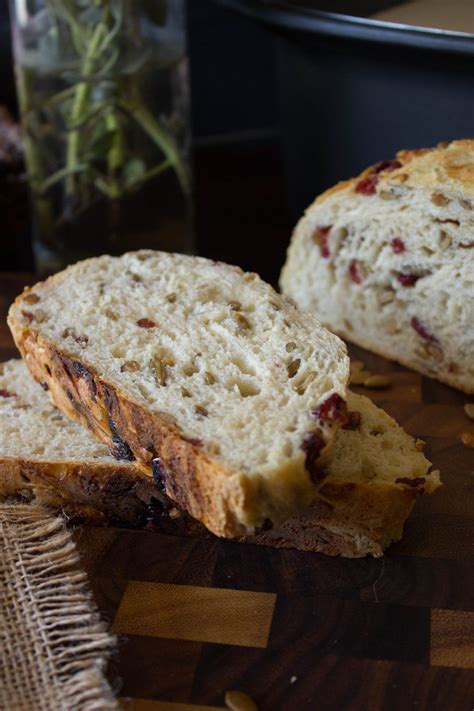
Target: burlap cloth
(53, 645)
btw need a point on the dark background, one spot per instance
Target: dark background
(279, 115)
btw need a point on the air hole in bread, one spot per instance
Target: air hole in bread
(377, 430)
(328, 383)
(244, 367)
(243, 387)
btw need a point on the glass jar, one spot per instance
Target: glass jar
(104, 98)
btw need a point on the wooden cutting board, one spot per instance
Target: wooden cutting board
(295, 630)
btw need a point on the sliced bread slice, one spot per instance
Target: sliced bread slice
(375, 475)
(196, 369)
(46, 457)
(387, 261)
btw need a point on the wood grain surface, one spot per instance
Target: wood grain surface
(195, 618)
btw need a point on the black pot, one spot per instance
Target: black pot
(352, 91)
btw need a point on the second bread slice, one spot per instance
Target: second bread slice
(376, 473)
(194, 370)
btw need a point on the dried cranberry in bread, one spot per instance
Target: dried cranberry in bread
(375, 474)
(387, 261)
(198, 372)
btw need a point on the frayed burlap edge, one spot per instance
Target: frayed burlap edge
(54, 646)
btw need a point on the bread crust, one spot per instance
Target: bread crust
(348, 519)
(99, 493)
(229, 504)
(424, 167)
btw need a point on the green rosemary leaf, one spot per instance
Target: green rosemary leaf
(57, 177)
(134, 171)
(101, 142)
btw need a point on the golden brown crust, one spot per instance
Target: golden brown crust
(101, 494)
(450, 164)
(228, 503)
(348, 519)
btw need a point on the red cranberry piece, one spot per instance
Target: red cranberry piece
(386, 166)
(312, 445)
(367, 186)
(354, 272)
(353, 421)
(28, 315)
(408, 279)
(146, 323)
(321, 237)
(417, 481)
(334, 408)
(6, 393)
(324, 241)
(398, 245)
(422, 331)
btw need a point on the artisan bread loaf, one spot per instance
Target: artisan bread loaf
(195, 370)
(387, 261)
(48, 458)
(375, 474)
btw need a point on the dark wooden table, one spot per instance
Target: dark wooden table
(301, 631)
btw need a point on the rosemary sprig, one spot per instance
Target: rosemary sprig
(98, 109)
